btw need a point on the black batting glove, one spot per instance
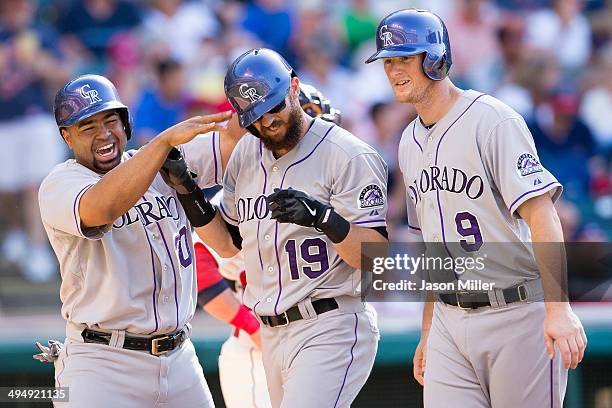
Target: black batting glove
(297, 207)
(176, 174)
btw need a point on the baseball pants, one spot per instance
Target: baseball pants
(241, 374)
(491, 357)
(102, 376)
(323, 361)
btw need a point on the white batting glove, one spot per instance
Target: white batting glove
(48, 354)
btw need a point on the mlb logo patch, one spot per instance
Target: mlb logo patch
(527, 164)
(371, 196)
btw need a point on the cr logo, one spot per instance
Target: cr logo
(91, 94)
(249, 93)
(386, 36)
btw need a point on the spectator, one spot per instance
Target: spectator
(174, 28)
(88, 27)
(358, 24)
(597, 104)
(389, 120)
(539, 75)
(271, 22)
(502, 77)
(163, 106)
(473, 22)
(320, 68)
(30, 67)
(564, 32)
(565, 143)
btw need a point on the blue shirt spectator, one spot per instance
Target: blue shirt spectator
(162, 106)
(271, 22)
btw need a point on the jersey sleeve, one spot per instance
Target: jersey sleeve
(59, 198)
(227, 205)
(359, 193)
(512, 162)
(413, 221)
(203, 156)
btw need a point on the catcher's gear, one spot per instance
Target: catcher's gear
(297, 207)
(411, 32)
(48, 354)
(86, 96)
(316, 105)
(257, 82)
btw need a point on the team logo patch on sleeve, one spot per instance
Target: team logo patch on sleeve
(371, 196)
(527, 164)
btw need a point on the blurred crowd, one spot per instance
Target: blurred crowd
(551, 60)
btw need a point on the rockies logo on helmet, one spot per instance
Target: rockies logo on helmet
(249, 93)
(386, 36)
(91, 94)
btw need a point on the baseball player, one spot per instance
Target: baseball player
(300, 195)
(125, 251)
(473, 178)
(240, 361)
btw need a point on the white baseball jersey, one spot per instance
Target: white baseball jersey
(286, 263)
(136, 274)
(465, 178)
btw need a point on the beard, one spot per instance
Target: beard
(418, 95)
(292, 134)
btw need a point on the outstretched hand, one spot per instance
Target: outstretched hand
(186, 130)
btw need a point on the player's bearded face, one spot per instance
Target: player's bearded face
(282, 131)
(98, 142)
(406, 76)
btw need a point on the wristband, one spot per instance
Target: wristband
(198, 209)
(244, 320)
(333, 225)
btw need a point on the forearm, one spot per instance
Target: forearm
(224, 306)
(215, 235)
(121, 188)
(349, 249)
(548, 248)
(428, 306)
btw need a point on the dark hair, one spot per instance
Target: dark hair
(166, 66)
(376, 109)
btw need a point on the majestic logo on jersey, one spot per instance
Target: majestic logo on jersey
(91, 94)
(527, 164)
(249, 93)
(386, 36)
(148, 212)
(371, 196)
(250, 208)
(447, 179)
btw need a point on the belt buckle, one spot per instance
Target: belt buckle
(520, 292)
(459, 302)
(155, 346)
(284, 314)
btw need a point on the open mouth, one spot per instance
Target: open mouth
(402, 82)
(107, 151)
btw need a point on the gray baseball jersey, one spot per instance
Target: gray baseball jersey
(465, 178)
(136, 274)
(287, 263)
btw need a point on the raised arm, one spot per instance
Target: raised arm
(120, 188)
